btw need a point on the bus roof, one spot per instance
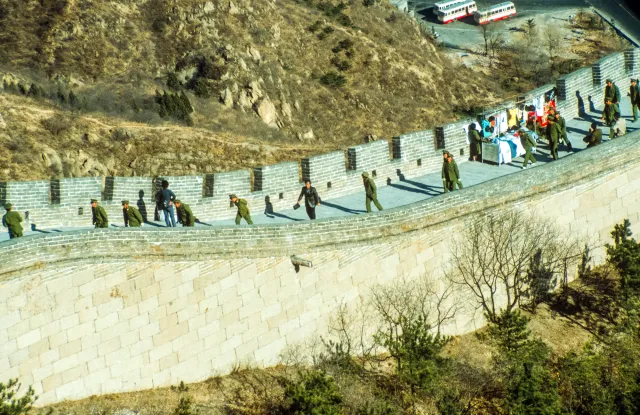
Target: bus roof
(458, 3)
(498, 6)
(443, 4)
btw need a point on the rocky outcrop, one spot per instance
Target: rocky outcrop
(267, 112)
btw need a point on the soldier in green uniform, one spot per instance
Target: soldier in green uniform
(528, 143)
(452, 174)
(563, 127)
(185, 215)
(132, 216)
(612, 91)
(594, 137)
(371, 193)
(554, 132)
(634, 94)
(11, 220)
(100, 218)
(476, 143)
(243, 210)
(610, 115)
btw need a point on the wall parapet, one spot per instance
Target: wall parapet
(288, 239)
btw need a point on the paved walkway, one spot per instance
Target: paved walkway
(415, 189)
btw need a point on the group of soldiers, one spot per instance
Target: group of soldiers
(611, 111)
(132, 216)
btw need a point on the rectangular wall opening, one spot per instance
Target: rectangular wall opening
(373, 173)
(419, 162)
(328, 185)
(281, 196)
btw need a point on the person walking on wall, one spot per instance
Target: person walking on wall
(610, 115)
(132, 216)
(594, 137)
(185, 215)
(562, 123)
(452, 174)
(634, 94)
(445, 184)
(11, 220)
(371, 193)
(527, 143)
(612, 91)
(100, 218)
(553, 134)
(311, 199)
(476, 143)
(243, 210)
(166, 198)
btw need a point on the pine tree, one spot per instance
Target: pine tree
(173, 83)
(34, 91)
(186, 102)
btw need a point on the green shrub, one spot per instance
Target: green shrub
(22, 88)
(341, 64)
(200, 87)
(314, 394)
(73, 100)
(333, 79)
(368, 3)
(35, 91)
(317, 25)
(326, 31)
(185, 407)
(10, 404)
(624, 254)
(172, 82)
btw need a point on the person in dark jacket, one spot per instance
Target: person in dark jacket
(594, 137)
(185, 215)
(371, 192)
(634, 94)
(100, 218)
(166, 199)
(476, 143)
(311, 199)
(11, 220)
(132, 217)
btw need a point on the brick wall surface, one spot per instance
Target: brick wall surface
(326, 171)
(115, 310)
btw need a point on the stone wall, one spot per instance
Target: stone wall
(111, 310)
(65, 202)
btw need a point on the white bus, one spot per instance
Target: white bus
(457, 11)
(443, 4)
(496, 12)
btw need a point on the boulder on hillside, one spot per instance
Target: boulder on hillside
(267, 112)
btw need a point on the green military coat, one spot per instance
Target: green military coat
(132, 217)
(12, 221)
(476, 142)
(451, 172)
(594, 138)
(613, 92)
(186, 216)
(562, 123)
(241, 204)
(554, 132)
(370, 187)
(609, 114)
(527, 142)
(100, 218)
(634, 94)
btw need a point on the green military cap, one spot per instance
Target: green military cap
(8, 206)
(233, 197)
(94, 201)
(608, 80)
(608, 99)
(365, 174)
(125, 202)
(177, 201)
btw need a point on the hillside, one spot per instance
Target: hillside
(267, 81)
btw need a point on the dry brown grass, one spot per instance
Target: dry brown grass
(112, 54)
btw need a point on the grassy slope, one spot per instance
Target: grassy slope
(111, 53)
